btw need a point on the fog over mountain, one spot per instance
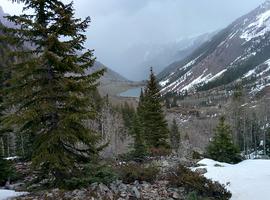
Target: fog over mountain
(123, 30)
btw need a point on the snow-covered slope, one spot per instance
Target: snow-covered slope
(230, 55)
(248, 180)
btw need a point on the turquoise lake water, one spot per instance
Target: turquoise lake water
(133, 92)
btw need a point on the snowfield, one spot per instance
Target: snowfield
(248, 180)
(7, 194)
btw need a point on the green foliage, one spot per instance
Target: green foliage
(134, 171)
(196, 155)
(155, 128)
(6, 171)
(140, 150)
(160, 151)
(49, 91)
(222, 148)
(197, 184)
(192, 196)
(91, 173)
(127, 113)
(174, 136)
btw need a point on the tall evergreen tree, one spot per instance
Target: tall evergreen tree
(222, 148)
(140, 150)
(127, 114)
(155, 126)
(174, 136)
(49, 91)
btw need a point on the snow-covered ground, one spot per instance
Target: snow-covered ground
(248, 180)
(6, 194)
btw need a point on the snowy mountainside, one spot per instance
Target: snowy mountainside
(236, 52)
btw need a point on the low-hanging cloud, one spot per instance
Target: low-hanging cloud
(120, 25)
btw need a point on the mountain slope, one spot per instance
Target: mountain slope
(141, 57)
(230, 55)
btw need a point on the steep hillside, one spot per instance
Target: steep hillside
(240, 51)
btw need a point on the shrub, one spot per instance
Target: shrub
(196, 155)
(193, 182)
(6, 171)
(160, 151)
(134, 171)
(91, 173)
(192, 196)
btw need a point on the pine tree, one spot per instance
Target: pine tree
(6, 171)
(150, 111)
(49, 90)
(127, 113)
(140, 150)
(222, 148)
(174, 136)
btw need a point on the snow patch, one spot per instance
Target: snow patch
(7, 194)
(164, 83)
(258, 28)
(247, 180)
(200, 79)
(217, 75)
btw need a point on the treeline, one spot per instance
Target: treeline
(148, 126)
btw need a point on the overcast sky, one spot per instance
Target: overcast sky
(118, 25)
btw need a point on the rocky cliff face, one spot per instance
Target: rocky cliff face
(239, 52)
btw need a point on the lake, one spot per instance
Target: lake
(133, 92)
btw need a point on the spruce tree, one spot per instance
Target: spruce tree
(222, 148)
(175, 136)
(127, 114)
(155, 126)
(140, 150)
(49, 89)
(6, 171)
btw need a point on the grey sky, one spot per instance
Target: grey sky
(118, 25)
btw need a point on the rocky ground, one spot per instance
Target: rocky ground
(117, 190)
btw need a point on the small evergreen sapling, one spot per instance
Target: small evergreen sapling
(175, 136)
(222, 148)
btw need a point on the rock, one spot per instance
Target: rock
(165, 163)
(103, 188)
(145, 185)
(79, 194)
(136, 192)
(93, 186)
(123, 194)
(175, 195)
(114, 188)
(201, 171)
(122, 187)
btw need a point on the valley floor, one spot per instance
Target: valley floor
(248, 180)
